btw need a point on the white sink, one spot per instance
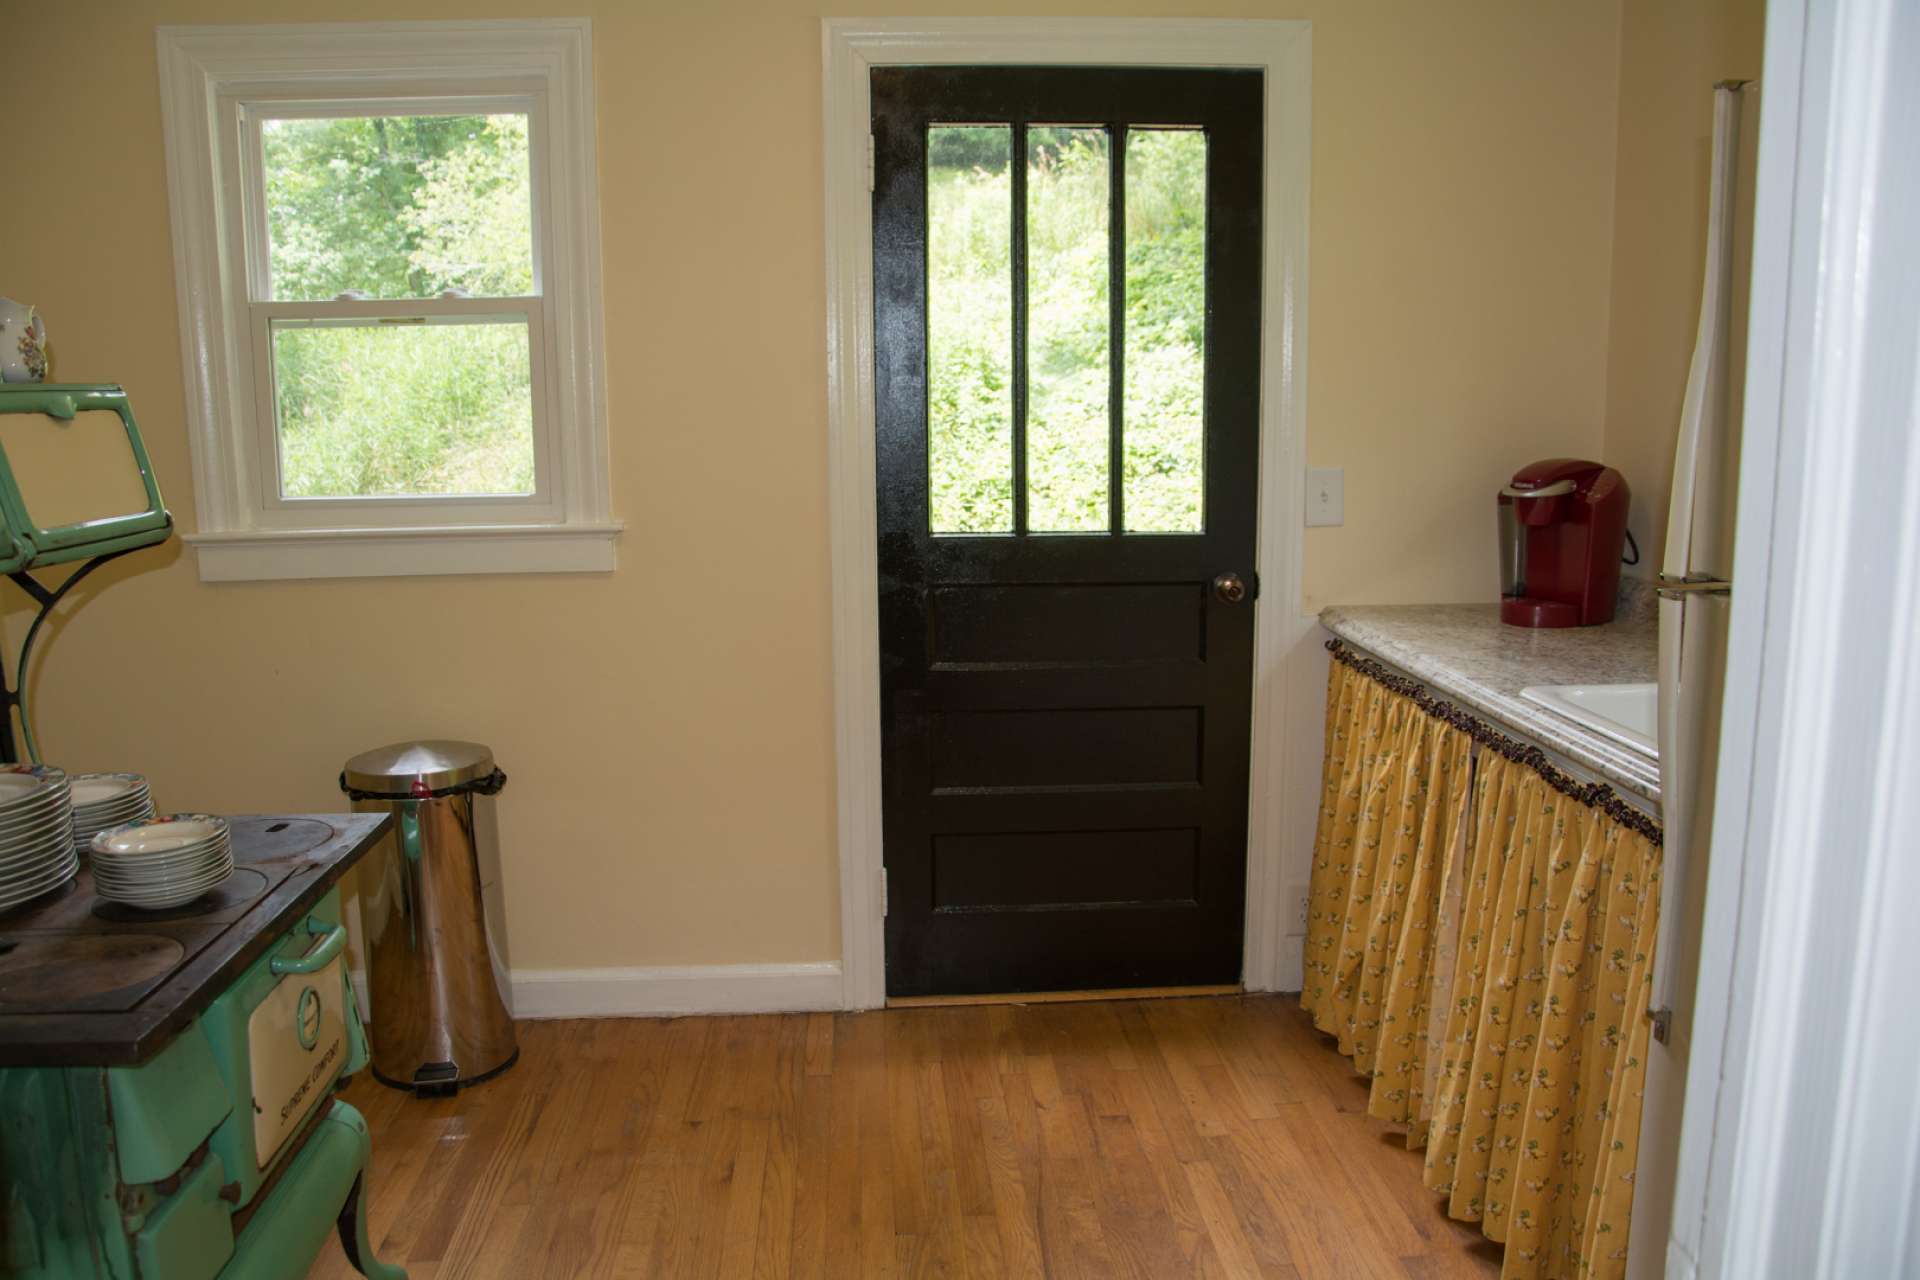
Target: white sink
(1626, 713)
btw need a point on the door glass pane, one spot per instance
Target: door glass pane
(970, 328)
(367, 409)
(398, 206)
(1166, 330)
(1068, 388)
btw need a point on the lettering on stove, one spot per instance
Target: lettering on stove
(321, 1070)
(298, 1039)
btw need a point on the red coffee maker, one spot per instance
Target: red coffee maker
(1563, 523)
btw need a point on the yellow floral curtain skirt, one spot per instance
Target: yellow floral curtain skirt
(1480, 943)
(1394, 792)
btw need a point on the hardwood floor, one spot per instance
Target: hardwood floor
(1204, 1137)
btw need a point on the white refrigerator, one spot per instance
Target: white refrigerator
(1696, 574)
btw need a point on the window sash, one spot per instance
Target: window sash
(261, 443)
(250, 113)
(273, 510)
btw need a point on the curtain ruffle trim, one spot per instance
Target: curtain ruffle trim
(1596, 794)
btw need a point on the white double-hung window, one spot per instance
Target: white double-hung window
(387, 244)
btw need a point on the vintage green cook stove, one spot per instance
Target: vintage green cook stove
(167, 1107)
(167, 1078)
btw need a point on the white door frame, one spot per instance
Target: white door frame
(852, 47)
(1800, 1138)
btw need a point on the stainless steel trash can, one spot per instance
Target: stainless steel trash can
(430, 908)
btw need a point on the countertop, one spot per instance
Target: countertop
(1465, 653)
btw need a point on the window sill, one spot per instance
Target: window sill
(263, 555)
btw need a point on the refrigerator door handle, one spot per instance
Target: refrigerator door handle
(1673, 587)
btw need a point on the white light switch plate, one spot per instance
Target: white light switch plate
(1326, 496)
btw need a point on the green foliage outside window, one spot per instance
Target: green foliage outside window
(1166, 330)
(412, 206)
(970, 332)
(401, 207)
(1068, 318)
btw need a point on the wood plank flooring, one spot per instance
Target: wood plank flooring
(1205, 1137)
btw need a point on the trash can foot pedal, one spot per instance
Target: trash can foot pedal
(441, 1079)
(436, 1080)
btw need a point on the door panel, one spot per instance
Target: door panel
(1028, 623)
(1065, 746)
(1066, 298)
(1025, 870)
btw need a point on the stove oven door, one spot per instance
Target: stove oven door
(296, 1045)
(285, 1035)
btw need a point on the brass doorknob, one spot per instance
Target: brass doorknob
(1230, 588)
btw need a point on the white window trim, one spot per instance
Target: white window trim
(549, 64)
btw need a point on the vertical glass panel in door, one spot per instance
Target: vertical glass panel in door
(1166, 330)
(970, 328)
(398, 206)
(1069, 259)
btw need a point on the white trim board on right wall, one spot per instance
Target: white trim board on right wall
(1284, 774)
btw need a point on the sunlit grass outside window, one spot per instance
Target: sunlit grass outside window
(970, 329)
(1166, 341)
(404, 410)
(1068, 323)
(969, 323)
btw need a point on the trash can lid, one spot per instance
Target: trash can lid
(434, 764)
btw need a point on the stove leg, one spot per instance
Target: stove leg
(353, 1239)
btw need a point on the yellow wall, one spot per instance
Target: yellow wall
(1671, 55)
(668, 727)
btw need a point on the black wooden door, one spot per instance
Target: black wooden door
(1067, 383)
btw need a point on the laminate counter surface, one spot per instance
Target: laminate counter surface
(1464, 653)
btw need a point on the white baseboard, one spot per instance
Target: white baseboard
(666, 991)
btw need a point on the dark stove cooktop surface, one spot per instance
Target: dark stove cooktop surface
(84, 981)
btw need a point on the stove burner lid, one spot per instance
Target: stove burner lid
(47, 973)
(271, 839)
(78, 953)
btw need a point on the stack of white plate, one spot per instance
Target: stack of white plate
(36, 832)
(102, 800)
(162, 862)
